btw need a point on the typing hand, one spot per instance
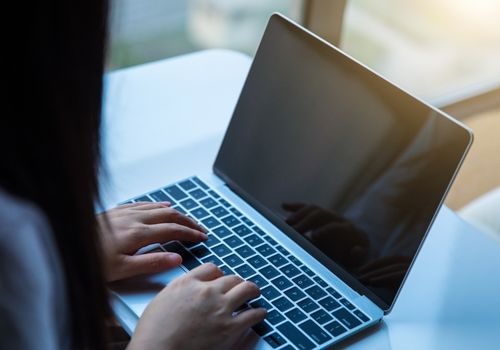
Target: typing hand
(127, 228)
(197, 311)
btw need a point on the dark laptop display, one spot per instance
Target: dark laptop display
(350, 166)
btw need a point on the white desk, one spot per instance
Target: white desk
(162, 117)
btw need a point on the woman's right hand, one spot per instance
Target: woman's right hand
(195, 311)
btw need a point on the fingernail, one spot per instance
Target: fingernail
(204, 236)
(174, 258)
(167, 204)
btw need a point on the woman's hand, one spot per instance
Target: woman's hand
(127, 228)
(196, 311)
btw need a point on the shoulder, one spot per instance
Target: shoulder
(31, 278)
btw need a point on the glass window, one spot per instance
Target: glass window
(143, 31)
(433, 48)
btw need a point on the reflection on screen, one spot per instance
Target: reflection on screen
(350, 162)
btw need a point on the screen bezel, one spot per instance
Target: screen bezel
(346, 277)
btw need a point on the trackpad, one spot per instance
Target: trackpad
(137, 292)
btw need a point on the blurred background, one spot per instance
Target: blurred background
(446, 52)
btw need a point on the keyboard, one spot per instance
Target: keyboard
(304, 312)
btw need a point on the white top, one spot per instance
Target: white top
(33, 306)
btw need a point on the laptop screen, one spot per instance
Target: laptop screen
(337, 156)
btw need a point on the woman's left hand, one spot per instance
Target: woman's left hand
(127, 228)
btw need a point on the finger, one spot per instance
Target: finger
(150, 263)
(164, 214)
(241, 293)
(293, 206)
(160, 233)
(226, 283)
(205, 272)
(250, 317)
(149, 205)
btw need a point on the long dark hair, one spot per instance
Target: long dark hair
(49, 140)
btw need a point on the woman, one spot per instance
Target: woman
(54, 260)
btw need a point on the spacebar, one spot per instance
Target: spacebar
(295, 336)
(188, 260)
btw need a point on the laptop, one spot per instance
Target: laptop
(323, 190)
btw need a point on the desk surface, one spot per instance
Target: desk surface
(164, 119)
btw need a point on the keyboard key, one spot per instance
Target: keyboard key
(259, 281)
(233, 260)
(282, 304)
(259, 231)
(212, 259)
(315, 332)
(308, 305)
(295, 294)
(212, 240)
(143, 199)
(281, 283)
(329, 303)
(225, 203)
(261, 303)
(288, 347)
(208, 202)
(199, 213)
(295, 315)
(262, 328)
(247, 221)
(175, 192)
(315, 292)
(290, 271)
(270, 240)
(346, 318)
(222, 231)
(320, 281)
(200, 251)
(242, 230)
(197, 194)
(189, 244)
(159, 196)
(219, 211)
(282, 250)
(275, 340)
(213, 194)
(188, 260)
(303, 281)
(307, 271)
(230, 221)
(245, 271)
(321, 316)
(333, 292)
(295, 336)
(265, 250)
(189, 204)
(236, 212)
(269, 272)
(233, 241)
(226, 270)
(347, 304)
(187, 185)
(295, 261)
(277, 260)
(257, 261)
(270, 293)
(361, 316)
(200, 183)
(221, 250)
(274, 317)
(245, 251)
(335, 328)
(253, 240)
(210, 222)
